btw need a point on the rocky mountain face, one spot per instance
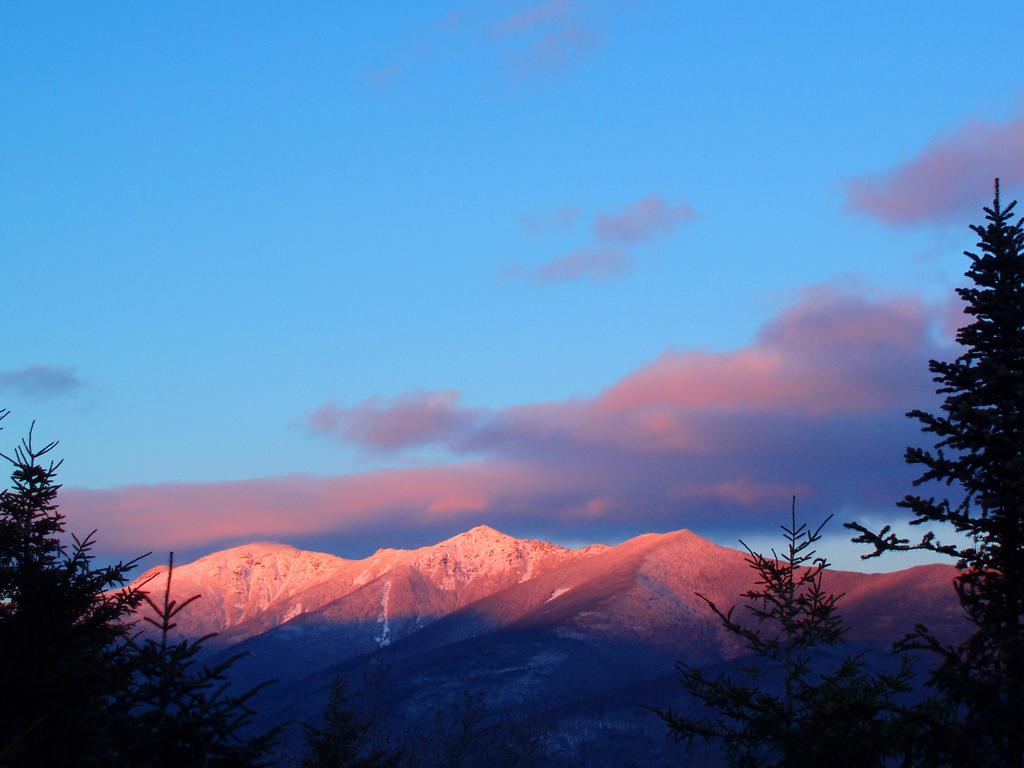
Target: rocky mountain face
(541, 631)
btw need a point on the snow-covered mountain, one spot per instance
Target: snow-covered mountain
(551, 633)
(316, 608)
(249, 589)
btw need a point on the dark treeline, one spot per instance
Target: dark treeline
(81, 683)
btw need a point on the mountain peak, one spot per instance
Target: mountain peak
(479, 533)
(242, 582)
(252, 548)
(484, 552)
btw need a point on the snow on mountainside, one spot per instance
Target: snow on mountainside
(249, 589)
(482, 553)
(641, 590)
(242, 583)
(540, 627)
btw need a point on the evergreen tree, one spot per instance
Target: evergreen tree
(63, 626)
(978, 455)
(77, 686)
(791, 705)
(180, 712)
(344, 740)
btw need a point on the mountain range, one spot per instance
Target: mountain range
(567, 643)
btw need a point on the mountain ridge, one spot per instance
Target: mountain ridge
(545, 630)
(652, 578)
(251, 587)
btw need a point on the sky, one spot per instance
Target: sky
(351, 275)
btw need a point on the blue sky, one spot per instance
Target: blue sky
(214, 221)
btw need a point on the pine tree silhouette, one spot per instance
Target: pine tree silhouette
(179, 711)
(790, 706)
(979, 456)
(344, 739)
(78, 686)
(64, 626)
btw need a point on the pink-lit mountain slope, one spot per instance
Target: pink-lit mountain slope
(250, 589)
(643, 592)
(322, 609)
(577, 625)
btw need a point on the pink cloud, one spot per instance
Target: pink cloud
(584, 263)
(949, 179)
(546, 36)
(832, 352)
(647, 217)
(535, 39)
(742, 491)
(414, 418)
(598, 507)
(458, 505)
(536, 15)
(954, 316)
(833, 356)
(556, 49)
(581, 264)
(813, 405)
(178, 515)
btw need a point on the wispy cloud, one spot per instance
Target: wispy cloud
(813, 405)
(581, 264)
(949, 178)
(41, 380)
(547, 36)
(532, 39)
(534, 16)
(636, 223)
(415, 418)
(641, 220)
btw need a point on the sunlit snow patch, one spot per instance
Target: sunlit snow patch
(384, 638)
